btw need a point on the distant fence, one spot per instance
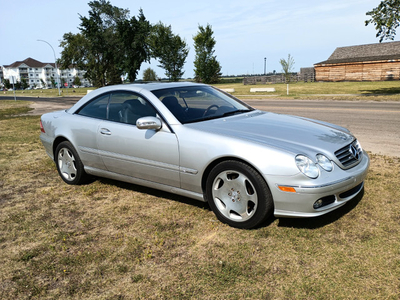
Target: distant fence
(305, 75)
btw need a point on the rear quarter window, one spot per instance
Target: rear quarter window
(96, 108)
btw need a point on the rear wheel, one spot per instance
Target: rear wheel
(69, 165)
(238, 195)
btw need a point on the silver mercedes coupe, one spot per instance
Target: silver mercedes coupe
(197, 141)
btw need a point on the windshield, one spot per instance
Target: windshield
(199, 103)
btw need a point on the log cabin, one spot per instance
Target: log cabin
(372, 62)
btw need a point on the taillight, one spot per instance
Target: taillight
(41, 127)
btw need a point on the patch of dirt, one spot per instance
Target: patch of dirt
(45, 105)
(40, 108)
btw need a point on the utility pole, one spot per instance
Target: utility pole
(265, 66)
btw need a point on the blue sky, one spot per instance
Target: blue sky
(245, 31)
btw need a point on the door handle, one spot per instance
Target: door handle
(105, 131)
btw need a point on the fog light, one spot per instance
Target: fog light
(324, 201)
(318, 203)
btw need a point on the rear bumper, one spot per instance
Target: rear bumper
(48, 145)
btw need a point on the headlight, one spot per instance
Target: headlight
(324, 162)
(307, 166)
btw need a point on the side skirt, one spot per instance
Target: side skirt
(146, 183)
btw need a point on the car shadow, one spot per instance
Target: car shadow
(321, 221)
(300, 223)
(154, 192)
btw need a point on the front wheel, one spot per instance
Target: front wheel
(69, 165)
(238, 195)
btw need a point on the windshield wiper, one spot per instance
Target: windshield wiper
(211, 117)
(234, 112)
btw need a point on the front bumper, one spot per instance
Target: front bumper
(346, 186)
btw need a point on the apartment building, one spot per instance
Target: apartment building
(42, 75)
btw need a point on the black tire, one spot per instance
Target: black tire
(238, 195)
(69, 165)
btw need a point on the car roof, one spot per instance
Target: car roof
(152, 86)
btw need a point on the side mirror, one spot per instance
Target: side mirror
(149, 123)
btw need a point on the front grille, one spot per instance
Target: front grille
(349, 155)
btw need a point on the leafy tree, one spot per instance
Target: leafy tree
(133, 34)
(386, 19)
(76, 52)
(169, 49)
(24, 83)
(53, 81)
(100, 30)
(109, 44)
(287, 66)
(7, 83)
(149, 75)
(207, 68)
(92, 48)
(77, 81)
(18, 85)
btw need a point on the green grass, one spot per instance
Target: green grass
(377, 90)
(112, 240)
(11, 108)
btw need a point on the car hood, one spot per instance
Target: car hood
(290, 133)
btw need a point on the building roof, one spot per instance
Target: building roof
(361, 53)
(30, 62)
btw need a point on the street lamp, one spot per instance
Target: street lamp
(55, 62)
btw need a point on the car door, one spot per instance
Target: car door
(84, 127)
(145, 154)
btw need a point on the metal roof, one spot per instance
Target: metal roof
(362, 53)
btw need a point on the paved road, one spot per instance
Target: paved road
(66, 100)
(375, 124)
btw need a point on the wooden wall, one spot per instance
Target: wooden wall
(364, 71)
